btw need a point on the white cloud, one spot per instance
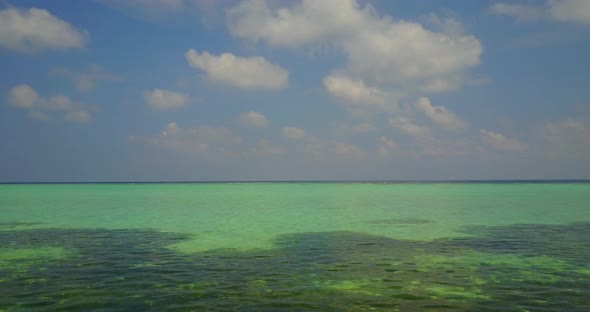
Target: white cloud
(499, 141)
(202, 140)
(446, 25)
(567, 139)
(409, 56)
(304, 23)
(171, 129)
(522, 12)
(35, 30)
(574, 11)
(386, 146)
(357, 96)
(344, 149)
(254, 119)
(160, 99)
(380, 51)
(439, 114)
(408, 127)
(25, 97)
(567, 132)
(293, 133)
(241, 72)
(58, 102)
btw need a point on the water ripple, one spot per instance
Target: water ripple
(497, 268)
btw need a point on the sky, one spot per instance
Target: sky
(204, 90)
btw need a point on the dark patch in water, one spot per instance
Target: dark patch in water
(13, 225)
(401, 221)
(567, 242)
(131, 270)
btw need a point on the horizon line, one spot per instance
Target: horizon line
(310, 181)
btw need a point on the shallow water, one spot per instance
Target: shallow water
(295, 246)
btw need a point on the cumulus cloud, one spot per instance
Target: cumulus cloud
(293, 133)
(313, 21)
(568, 138)
(567, 132)
(499, 141)
(576, 11)
(386, 146)
(344, 149)
(35, 30)
(160, 99)
(25, 97)
(439, 114)
(254, 119)
(444, 24)
(408, 55)
(171, 129)
(202, 140)
(522, 12)
(573, 11)
(358, 97)
(241, 72)
(406, 126)
(380, 50)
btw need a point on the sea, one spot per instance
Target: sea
(296, 246)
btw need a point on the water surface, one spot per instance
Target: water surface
(295, 246)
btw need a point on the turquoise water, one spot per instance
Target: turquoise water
(295, 246)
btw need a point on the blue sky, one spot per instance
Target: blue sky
(168, 90)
